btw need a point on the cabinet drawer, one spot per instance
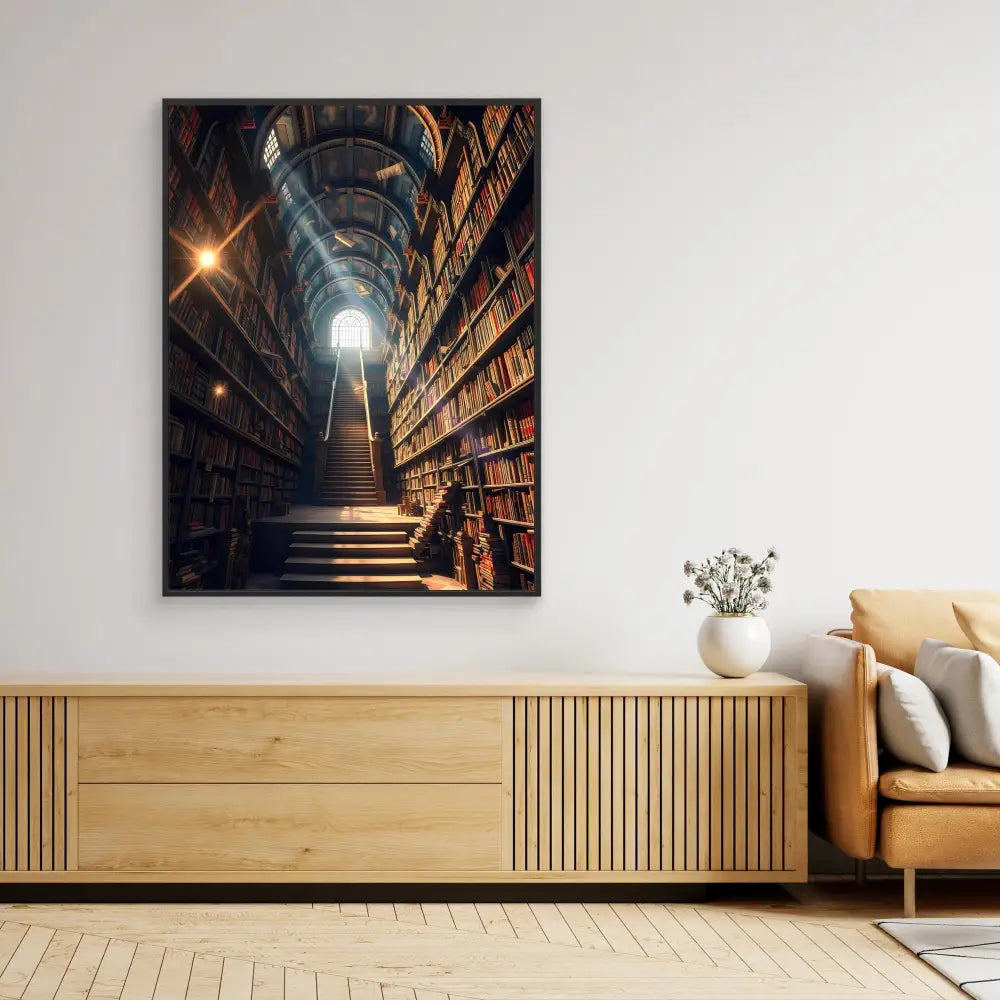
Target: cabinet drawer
(299, 827)
(290, 739)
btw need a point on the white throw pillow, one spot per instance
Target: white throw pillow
(911, 723)
(967, 683)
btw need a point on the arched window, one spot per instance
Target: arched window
(351, 328)
(426, 149)
(271, 150)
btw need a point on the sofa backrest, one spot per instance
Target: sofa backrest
(896, 622)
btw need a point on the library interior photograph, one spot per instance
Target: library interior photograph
(351, 381)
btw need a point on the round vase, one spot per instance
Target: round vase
(734, 645)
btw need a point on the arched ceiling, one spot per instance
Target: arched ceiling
(346, 178)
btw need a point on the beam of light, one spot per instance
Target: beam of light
(314, 220)
(201, 254)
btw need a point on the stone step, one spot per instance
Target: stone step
(348, 550)
(310, 581)
(351, 565)
(350, 534)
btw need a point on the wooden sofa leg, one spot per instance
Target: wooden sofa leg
(860, 871)
(909, 892)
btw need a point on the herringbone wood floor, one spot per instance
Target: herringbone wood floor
(819, 945)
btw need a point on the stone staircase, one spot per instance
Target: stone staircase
(360, 555)
(348, 480)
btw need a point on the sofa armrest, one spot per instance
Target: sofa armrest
(843, 746)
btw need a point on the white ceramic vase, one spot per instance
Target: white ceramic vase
(734, 645)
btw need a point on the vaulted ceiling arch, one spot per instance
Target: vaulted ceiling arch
(352, 169)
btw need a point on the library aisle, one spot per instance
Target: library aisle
(351, 338)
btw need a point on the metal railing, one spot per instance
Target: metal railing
(368, 416)
(333, 389)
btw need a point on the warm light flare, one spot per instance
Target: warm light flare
(207, 258)
(219, 389)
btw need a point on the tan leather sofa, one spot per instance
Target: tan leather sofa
(863, 802)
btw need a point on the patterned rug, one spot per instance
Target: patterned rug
(966, 951)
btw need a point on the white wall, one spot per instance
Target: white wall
(770, 281)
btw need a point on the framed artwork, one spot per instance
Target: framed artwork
(351, 392)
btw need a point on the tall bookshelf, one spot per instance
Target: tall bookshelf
(460, 372)
(238, 359)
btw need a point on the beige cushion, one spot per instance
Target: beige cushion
(980, 621)
(958, 784)
(896, 622)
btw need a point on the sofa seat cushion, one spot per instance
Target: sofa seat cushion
(957, 784)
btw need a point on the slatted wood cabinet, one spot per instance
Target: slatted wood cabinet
(575, 778)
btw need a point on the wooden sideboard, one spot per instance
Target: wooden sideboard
(565, 779)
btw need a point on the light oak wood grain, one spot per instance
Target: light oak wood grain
(289, 828)
(284, 740)
(576, 684)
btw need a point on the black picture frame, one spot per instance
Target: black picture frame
(536, 314)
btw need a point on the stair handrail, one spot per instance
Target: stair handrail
(333, 389)
(364, 389)
(374, 441)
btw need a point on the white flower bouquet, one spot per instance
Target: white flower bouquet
(732, 583)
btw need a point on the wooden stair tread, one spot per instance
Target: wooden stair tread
(362, 561)
(396, 582)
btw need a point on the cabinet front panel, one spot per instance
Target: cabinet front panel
(633, 784)
(214, 739)
(297, 827)
(37, 784)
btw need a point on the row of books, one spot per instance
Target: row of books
(490, 557)
(510, 157)
(484, 333)
(214, 483)
(204, 516)
(188, 215)
(221, 193)
(253, 257)
(173, 188)
(181, 435)
(266, 465)
(435, 508)
(494, 118)
(522, 544)
(458, 560)
(465, 180)
(398, 372)
(249, 477)
(217, 449)
(493, 323)
(514, 426)
(185, 123)
(503, 373)
(529, 270)
(439, 247)
(504, 469)
(193, 381)
(177, 478)
(231, 350)
(522, 229)
(512, 505)
(512, 154)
